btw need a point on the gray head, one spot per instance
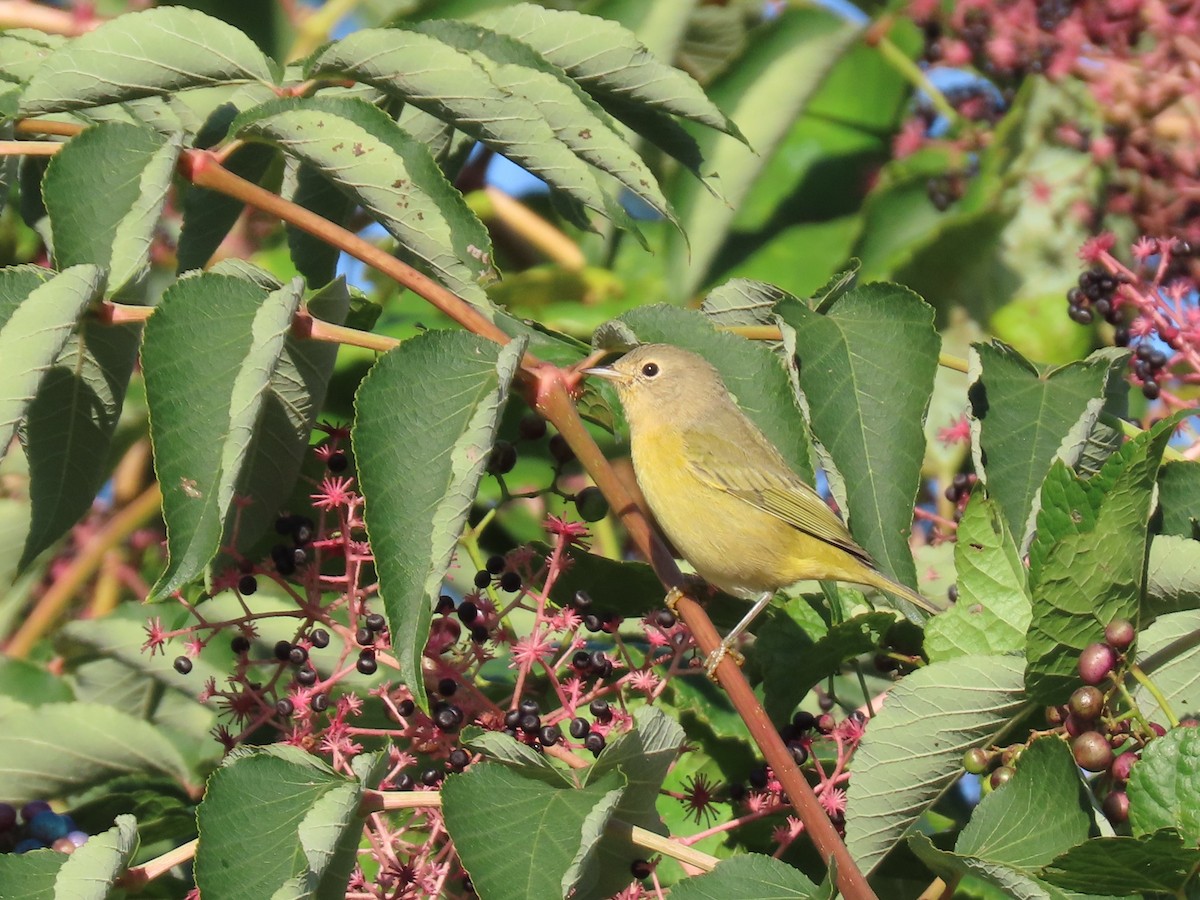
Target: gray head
(659, 382)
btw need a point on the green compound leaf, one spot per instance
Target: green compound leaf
(448, 84)
(1023, 418)
(1041, 812)
(765, 91)
(750, 877)
(1164, 789)
(543, 832)
(913, 748)
(1158, 863)
(113, 227)
(59, 749)
(866, 368)
(301, 844)
(608, 61)
(428, 409)
(395, 179)
(222, 387)
(69, 427)
(38, 313)
(993, 608)
(1104, 518)
(143, 54)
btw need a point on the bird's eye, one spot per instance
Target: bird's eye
(650, 370)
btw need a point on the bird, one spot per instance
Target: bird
(723, 493)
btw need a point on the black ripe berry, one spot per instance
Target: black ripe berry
(495, 564)
(758, 778)
(502, 458)
(458, 759)
(405, 782)
(529, 705)
(298, 656)
(591, 505)
(247, 585)
(550, 735)
(431, 777)
(447, 686)
(664, 618)
(530, 723)
(483, 578)
(601, 711)
(283, 650)
(641, 869)
(468, 612)
(320, 703)
(582, 600)
(319, 638)
(532, 427)
(306, 677)
(448, 717)
(183, 665)
(561, 450)
(302, 531)
(364, 636)
(375, 622)
(594, 742)
(512, 718)
(406, 708)
(367, 664)
(284, 707)
(582, 660)
(337, 462)
(579, 728)
(510, 582)
(284, 559)
(479, 634)
(445, 605)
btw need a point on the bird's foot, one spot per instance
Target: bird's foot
(714, 659)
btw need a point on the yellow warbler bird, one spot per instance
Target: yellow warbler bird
(722, 492)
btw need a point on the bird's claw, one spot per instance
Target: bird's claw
(714, 659)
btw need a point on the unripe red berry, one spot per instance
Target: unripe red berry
(1095, 662)
(1120, 634)
(1122, 766)
(1116, 807)
(1092, 751)
(1087, 703)
(976, 761)
(1001, 776)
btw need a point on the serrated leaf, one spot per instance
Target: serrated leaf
(993, 608)
(751, 372)
(750, 877)
(1040, 813)
(69, 427)
(1164, 787)
(298, 849)
(867, 368)
(608, 61)
(530, 856)
(30, 876)
(63, 748)
(430, 409)
(143, 54)
(396, 180)
(1169, 654)
(22, 51)
(112, 228)
(1158, 863)
(743, 301)
(208, 422)
(500, 748)
(38, 312)
(448, 84)
(576, 119)
(792, 662)
(1104, 518)
(913, 747)
(764, 91)
(1020, 419)
(93, 869)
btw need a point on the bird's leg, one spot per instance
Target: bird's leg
(727, 645)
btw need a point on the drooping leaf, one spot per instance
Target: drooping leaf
(913, 747)
(764, 92)
(750, 877)
(1164, 787)
(114, 227)
(1022, 419)
(1158, 863)
(429, 409)
(993, 608)
(142, 54)
(1105, 518)
(209, 422)
(38, 312)
(299, 849)
(59, 749)
(866, 368)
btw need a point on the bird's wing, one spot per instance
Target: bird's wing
(760, 477)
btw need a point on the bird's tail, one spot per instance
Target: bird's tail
(883, 583)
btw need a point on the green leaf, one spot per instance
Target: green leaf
(1041, 812)
(38, 313)
(1104, 518)
(993, 608)
(1158, 863)
(542, 827)
(114, 227)
(608, 61)
(866, 368)
(752, 373)
(792, 662)
(70, 424)
(749, 877)
(1179, 497)
(1022, 419)
(743, 301)
(296, 850)
(209, 423)
(396, 180)
(1172, 575)
(765, 91)
(63, 748)
(22, 51)
(429, 409)
(313, 258)
(626, 587)
(142, 54)
(914, 746)
(30, 876)
(1169, 653)
(1164, 788)
(31, 684)
(448, 84)
(89, 873)
(576, 119)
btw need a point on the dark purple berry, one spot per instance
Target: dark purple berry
(1122, 766)
(375, 622)
(479, 634)
(582, 600)
(510, 582)
(405, 782)
(448, 717)
(1095, 662)
(447, 686)
(579, 728)
(1120, 634)
(306, 677)
(591, 505)
(247, 585)
(1086, 703)
(337, 462)
(561, 450)
(594, 743)
(445, 605)
(284, 707)
(1092, 751)
(601, 711)
(406, 708)
(320, 703)
(431, 777)
(468, 612)
(364, 636)
(550, 735)
(532, 427)
(283, 650)
(1116, 807)
(482, 579)
(495, 564)
(367, 664)
(319, 638)
(641, 869)
(298, 656)
(183, 665)
(459, 758)
(502, 458)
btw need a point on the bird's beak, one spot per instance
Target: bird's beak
(606, 372)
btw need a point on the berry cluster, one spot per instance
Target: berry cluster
(35, 827)
(1095, 296)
